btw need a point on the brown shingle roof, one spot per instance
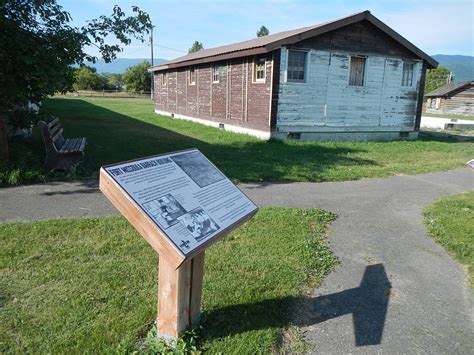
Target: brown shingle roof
(445, 90)
(271, 42)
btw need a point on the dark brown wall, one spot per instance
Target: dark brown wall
(276, 84)
(235, 100)
(360, 37)
(421, 91)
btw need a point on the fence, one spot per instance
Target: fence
(108, 93)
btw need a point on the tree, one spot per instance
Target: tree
(86, 78)
(113, 81)
(138, 78)
(437, 78)
(40, 47)
(197, 46)
(263, 31)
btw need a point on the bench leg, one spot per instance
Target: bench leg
(63, 161)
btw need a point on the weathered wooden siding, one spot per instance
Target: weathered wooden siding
(461, 103)
(304, 103)
(327, 100)
(399, 103)
(360, 37)
(236, 99)
(437, 103)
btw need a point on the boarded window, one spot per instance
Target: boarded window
(296, 66)
(259, 69)
(357, 72)
(407, 78)
(192, 76)
(215, 74)
(163, 79)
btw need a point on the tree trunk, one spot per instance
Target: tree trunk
(4, 154)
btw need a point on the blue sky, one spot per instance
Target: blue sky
(437, 27)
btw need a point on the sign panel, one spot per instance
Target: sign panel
(185, 195)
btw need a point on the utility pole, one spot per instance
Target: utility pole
(152, 87)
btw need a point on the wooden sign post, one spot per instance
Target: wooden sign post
(180, 203)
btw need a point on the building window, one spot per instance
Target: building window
(296, 66)
(215, 74)
(357, 71)
(407, 78)
(192, 76)
(163, 79)
(434, 103)
(259, 69)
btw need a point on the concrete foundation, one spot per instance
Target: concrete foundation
(346, 136)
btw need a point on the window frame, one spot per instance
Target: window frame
(364, 75)
(413, 64)
(163, 79)
(255, 70)
(216, 72)
(305, 67)
(191, 73)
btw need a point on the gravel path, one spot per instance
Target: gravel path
(395, 291)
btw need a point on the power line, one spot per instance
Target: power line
(173, 49)
(154, 45)
(135, 51)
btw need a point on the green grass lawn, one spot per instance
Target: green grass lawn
(89, 285)
(450, 222)
(121, 129)
(441, 115)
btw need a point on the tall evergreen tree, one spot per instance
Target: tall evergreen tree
(197, 46)
(263, 31)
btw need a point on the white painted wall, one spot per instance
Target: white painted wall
(326, 101)
(440, 122)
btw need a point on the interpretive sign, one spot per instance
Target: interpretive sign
(180, 203)
(187, 197)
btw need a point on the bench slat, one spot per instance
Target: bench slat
(52, 123)
(56, 135)
(83, 145)
(61, 153)
(73, 145)
(53, 130)
(67, 146)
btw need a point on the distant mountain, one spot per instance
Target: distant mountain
(461, 65)
(120, 65)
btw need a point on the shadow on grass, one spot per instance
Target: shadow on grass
(114, 137)
(367, 303)
(447, 136)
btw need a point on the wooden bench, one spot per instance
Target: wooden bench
(61, 153)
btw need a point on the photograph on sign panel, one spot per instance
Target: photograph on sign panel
(198, 168)
(165, 210)
(199, 224)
